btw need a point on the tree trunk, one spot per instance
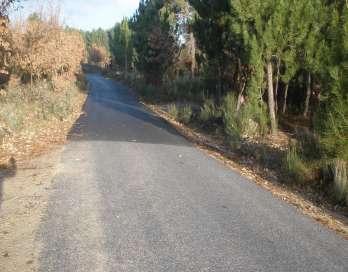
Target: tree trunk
(193, 54)
(240, 100)
(220, 83)
(126, 66)
(285, 97)
(277, 87)
(272, 113)
(308, 95)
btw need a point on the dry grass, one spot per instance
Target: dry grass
(42, 48)
(33, 119)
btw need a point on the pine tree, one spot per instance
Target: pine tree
(333, 117)
(153, 40)
(313, 50)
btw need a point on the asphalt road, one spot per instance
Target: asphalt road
(133, 195)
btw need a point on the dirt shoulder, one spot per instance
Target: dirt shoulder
(26, 176)
(24, 199)
(304, 200)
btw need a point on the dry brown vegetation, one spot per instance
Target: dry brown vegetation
(41, 83)
(5, 49)
(98, 55)
(44, 50)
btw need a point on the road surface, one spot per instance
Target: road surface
(133, 195)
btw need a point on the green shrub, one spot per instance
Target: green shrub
(231, 122)
(149, 92)
(185, 114)
(309, 144)
(334, 129)
(173, 111)
(209, 111)
(294, 166)
(339, 170)
(185, 88)
(250, 121)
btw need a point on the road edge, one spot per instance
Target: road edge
(320, 214)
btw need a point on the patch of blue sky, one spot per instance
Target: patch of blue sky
(84, 14)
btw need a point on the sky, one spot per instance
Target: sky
(85, 14)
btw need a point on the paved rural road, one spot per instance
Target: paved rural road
(133, 195)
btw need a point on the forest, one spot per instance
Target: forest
(254, 73)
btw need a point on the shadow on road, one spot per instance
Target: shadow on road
(6, 171)
(112, 113)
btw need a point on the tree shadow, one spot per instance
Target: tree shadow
(264, 155)
(6, 171)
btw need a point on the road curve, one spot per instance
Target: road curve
(132, 195)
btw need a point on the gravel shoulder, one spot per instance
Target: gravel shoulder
(25, 194)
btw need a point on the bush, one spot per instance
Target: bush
(148, 92)
(332, 126)
(250, 121)
(294, 166)
(209, 111)
(256, 115)
(334, 129)
(173, 111)
(43, 49)
(185, 88)
(339, 170)
(25, 104)
(185, 114)
(231, 122)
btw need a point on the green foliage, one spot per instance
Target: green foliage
(295, 166)
(98, 37)
(121, 45)
(153, 41)
(339, 169)
(185, 88)
(250, 121)
(232, 125)
(209, 112)
(332, 121)
(188, 50)
(256, 111)
(334, 133)
(173, 111)
(185, 114)
(148, 92)
(182, 114)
